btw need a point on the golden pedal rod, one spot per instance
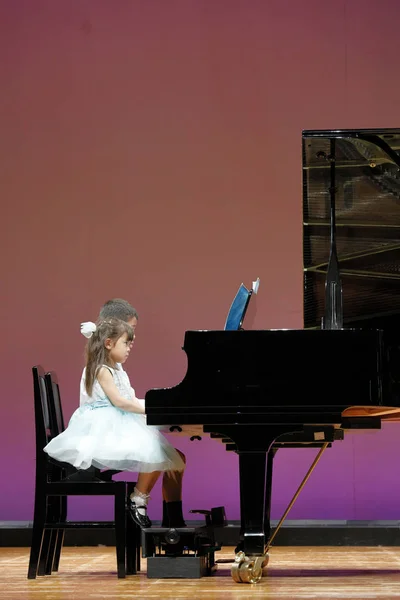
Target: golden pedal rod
(293, 500)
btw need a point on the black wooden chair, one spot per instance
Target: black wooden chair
(56, 481)
(53, 540)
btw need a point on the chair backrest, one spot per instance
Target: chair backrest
(41, 406)
(43, 426)
(54, 403)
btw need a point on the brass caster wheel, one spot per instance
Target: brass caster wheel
(264, 565)
(239, 559)
(247, 569)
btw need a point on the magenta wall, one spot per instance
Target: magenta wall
(151, 149)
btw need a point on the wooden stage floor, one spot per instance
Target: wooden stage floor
(302, 572)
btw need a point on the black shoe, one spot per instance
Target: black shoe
(142, 520)
(172, 514)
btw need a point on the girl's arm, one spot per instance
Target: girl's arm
(106, 381)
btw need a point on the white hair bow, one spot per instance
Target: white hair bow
(88, 328)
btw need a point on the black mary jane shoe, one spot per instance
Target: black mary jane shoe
(142, 520)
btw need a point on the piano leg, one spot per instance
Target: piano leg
(268, 492)
(252, 469)
(267, 500)
(250, 555)
(253, 445)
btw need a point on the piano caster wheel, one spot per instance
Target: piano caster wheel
(247, 569)
(265, 564)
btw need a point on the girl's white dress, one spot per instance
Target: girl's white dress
(104, 436)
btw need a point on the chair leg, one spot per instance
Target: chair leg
(138, 541)
(39, 519)
(46, 559)
(46, 553)
(130, 545)
(51, 552)
(58, 548)
(133, 544)
(132, 537)
(120, 533)
(60, 533)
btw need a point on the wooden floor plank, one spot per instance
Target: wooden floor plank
(319, 573)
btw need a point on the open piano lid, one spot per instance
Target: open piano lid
(367, 184)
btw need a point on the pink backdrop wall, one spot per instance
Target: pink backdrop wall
(152, 150)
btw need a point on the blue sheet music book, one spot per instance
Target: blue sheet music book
(238, 308)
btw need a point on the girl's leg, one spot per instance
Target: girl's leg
(140, 497)
(172, 483)
(172, 497)
(146, 481)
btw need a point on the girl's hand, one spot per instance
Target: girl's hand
(106, 381)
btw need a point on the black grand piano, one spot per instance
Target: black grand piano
(261, 390)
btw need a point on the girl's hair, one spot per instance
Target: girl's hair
(96, 352)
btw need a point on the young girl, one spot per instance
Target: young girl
(110, 431)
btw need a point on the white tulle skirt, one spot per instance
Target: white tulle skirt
(110, 438)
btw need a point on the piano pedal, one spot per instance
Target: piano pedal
(183, 552)
(215, 517)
